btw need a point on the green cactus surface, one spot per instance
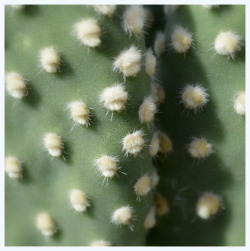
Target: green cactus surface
(179, 180)
(46, 182)
(183, 178)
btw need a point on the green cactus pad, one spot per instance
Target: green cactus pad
(47, 181)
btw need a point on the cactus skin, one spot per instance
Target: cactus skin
(46, 183)
(184, 179)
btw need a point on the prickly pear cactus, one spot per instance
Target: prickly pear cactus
(202, 71)
(75, 146)
(81, 146)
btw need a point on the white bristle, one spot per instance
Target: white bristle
(147, 110)
(114, 98)
(128, 62)
(13, 167)
(88, 32)
(134, 19)
(133, 143)
(78, 200)
(16, 85)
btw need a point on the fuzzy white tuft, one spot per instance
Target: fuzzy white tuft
(143, 185)
(79, 200)
(50, 59)
(133, 143)
(208, 205)
(147, 110)
(107, 10)
(154, 144)
(88, 32)
(128, 62)
(150, 62)
(45, 224)
(134, 19)
(122, 216)
(79, 112)
(13, 167)
(150, 219)
(200, 148)
(53, 143)
(227, 43)
(114, 98)
(108, 166)
(194, 97)
(100, 243)
(239, 103)
(16, 85)
(159, 44)
(181, 39)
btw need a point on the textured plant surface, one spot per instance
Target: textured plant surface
(46, 180)
(80, 71)
(184, 178)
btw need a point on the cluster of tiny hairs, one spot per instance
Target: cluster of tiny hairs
(114, 98)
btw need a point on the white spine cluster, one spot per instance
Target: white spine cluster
(13, 167)
(114, 98)
(16, 85)
(134, 19)
(107, 10)
(200, 148)
(154, 145)
(147, 110)
(194, 97)
(150, 219)
(150, 62)
(227, 43)
(108, 166)
(143, 185)
(133, 143)
(50, 59)
(239, 103)
(128, 62)
(208, 205)
(100, 243)
(159, 44)
(53, 143)
(45, 224)
(181, 39)
(79, 112)
(122, 216)
(88, 32)
(79, 200)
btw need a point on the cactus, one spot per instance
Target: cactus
(67, 128)
(203, 80)
(80, 130)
